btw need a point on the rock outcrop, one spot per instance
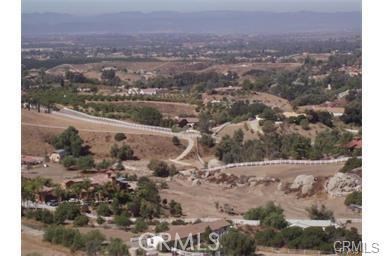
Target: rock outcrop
(342, 184)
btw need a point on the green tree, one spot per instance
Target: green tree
(140, 226)
(81, 221)
(354, 198)
(122, 221)
(116, 247)
(103, 210)
(235, 243)
(70, 141)
(85, 162)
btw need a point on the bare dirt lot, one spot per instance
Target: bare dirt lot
(38, 128)
(199, 200)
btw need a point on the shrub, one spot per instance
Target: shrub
(85, 162)
(176, 141)
(322, 213)
(120, 136)
(140, 226)
(162, 227)
(100, 220)
(354, 198)
(103, 210)
(122, 221)
(236, 243)
(81, 221)
(351, 164)
(69, 161)
(207, 140)
(161, 168)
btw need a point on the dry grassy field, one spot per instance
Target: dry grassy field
(265, 98)
(242, 68)
(38, 128)
(200, 200)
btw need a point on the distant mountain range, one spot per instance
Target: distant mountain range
(218, 22)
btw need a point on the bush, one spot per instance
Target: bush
(120, 136)
(81, 221)
(103, 164)
(85, 162)
(176, 141)
(270, 215)
(123, 153)
(178, 222)
(116, 247)
(66, 211)
(161, 168)
(69, 161)
(140, 226)
(175, 208)
(236, 243)
(354, 198)
(103, 210)
(100, 220)
(122, 221)
(322, 213)
(207, 140)
(351, 164)
(162, 227)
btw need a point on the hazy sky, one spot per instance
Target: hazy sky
(107, 6)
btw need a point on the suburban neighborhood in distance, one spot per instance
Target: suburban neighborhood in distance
(191, 133)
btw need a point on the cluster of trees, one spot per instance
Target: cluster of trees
(271, 146)
(161, 168)
(65, 211)
(313, 117)
(110, 78)
(70, 141)
(144, 115)
(313, 238)
(78, 156)
(199, 82)
(123, 153)
(236, 112)
(82, 162)
(352, 113)
(276, 233)
(270, 215)
(236, 243)
(91, 242)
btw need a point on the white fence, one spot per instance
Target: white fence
(279, 162)
(110, 120)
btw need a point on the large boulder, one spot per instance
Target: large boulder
(303, 182)
(342, 184)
